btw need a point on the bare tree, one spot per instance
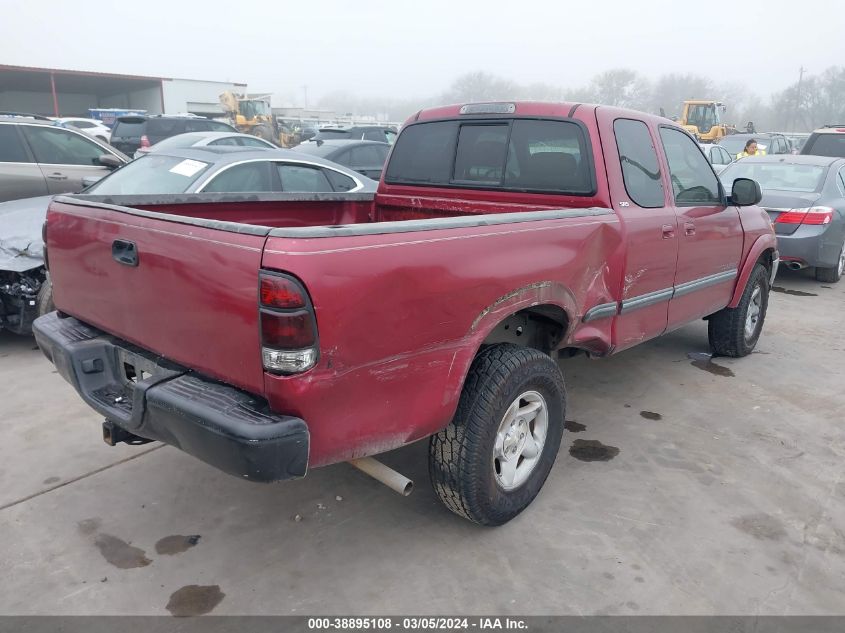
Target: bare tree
(479, 86)
(670, 91)
(621, 87)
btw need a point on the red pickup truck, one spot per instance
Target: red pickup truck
(267, 335)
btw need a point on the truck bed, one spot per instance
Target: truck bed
(451, 265)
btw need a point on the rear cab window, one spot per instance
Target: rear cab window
(825, 144)
(537, 155)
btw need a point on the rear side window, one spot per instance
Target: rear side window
(825, 145)
(303, 179)
(520, 154)
(640, 169)
(693, 180)
(11, 148)
(129, 128)
(339, 181)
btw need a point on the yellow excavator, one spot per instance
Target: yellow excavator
(254, 116)
(702, 118)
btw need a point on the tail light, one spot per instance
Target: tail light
(145, 142)
(288, 324)
(44, 240)
(808, 215)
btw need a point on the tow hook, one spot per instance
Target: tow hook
(114, 434)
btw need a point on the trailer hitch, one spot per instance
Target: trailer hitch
(114, 434)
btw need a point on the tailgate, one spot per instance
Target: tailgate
(184, 291)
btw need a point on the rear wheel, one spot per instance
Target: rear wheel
(489, 464)
(735, 331)
(264, 132)
(833, 274)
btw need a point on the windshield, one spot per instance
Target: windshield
(737, 145)
(315, 149)
(152, 173)
(250, 109)
(703, 116)
(780, 176)
(180, 140)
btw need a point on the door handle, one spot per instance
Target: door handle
(125, 252)
(668, 231)
(57, 176)
(689, 228)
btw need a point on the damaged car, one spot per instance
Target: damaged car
(24, 289)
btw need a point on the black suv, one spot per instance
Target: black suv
(383, 133)
(131, 132)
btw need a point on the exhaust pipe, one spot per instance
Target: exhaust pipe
(386, 475)
(794, 265)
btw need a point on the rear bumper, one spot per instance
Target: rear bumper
(811, 245)
(228, 428)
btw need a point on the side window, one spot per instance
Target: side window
(841, 181)
(390, 135)
(253, 142)
(304, 179)
(640, 169)
(727, 159)
(217, 126)
(11, 147)
(197, 125)
(229, 140)
(82, 125)
(373, 135)
(57, 146)
(693, 180)
(714, 156)
(246, 177)
(339, 181)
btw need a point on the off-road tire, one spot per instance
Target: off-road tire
(461, 464)
(44, 300)
(726, 328)
(264, 132)
(830, 275)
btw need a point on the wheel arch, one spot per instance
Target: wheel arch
(763, 251)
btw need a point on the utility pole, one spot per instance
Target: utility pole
(798, 98)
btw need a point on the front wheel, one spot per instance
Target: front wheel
(489, 464)
(44, 300)
(735, 331)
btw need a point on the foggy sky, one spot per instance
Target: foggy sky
(406, 49)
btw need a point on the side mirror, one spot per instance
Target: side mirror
(110, 161)
(745, 192)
